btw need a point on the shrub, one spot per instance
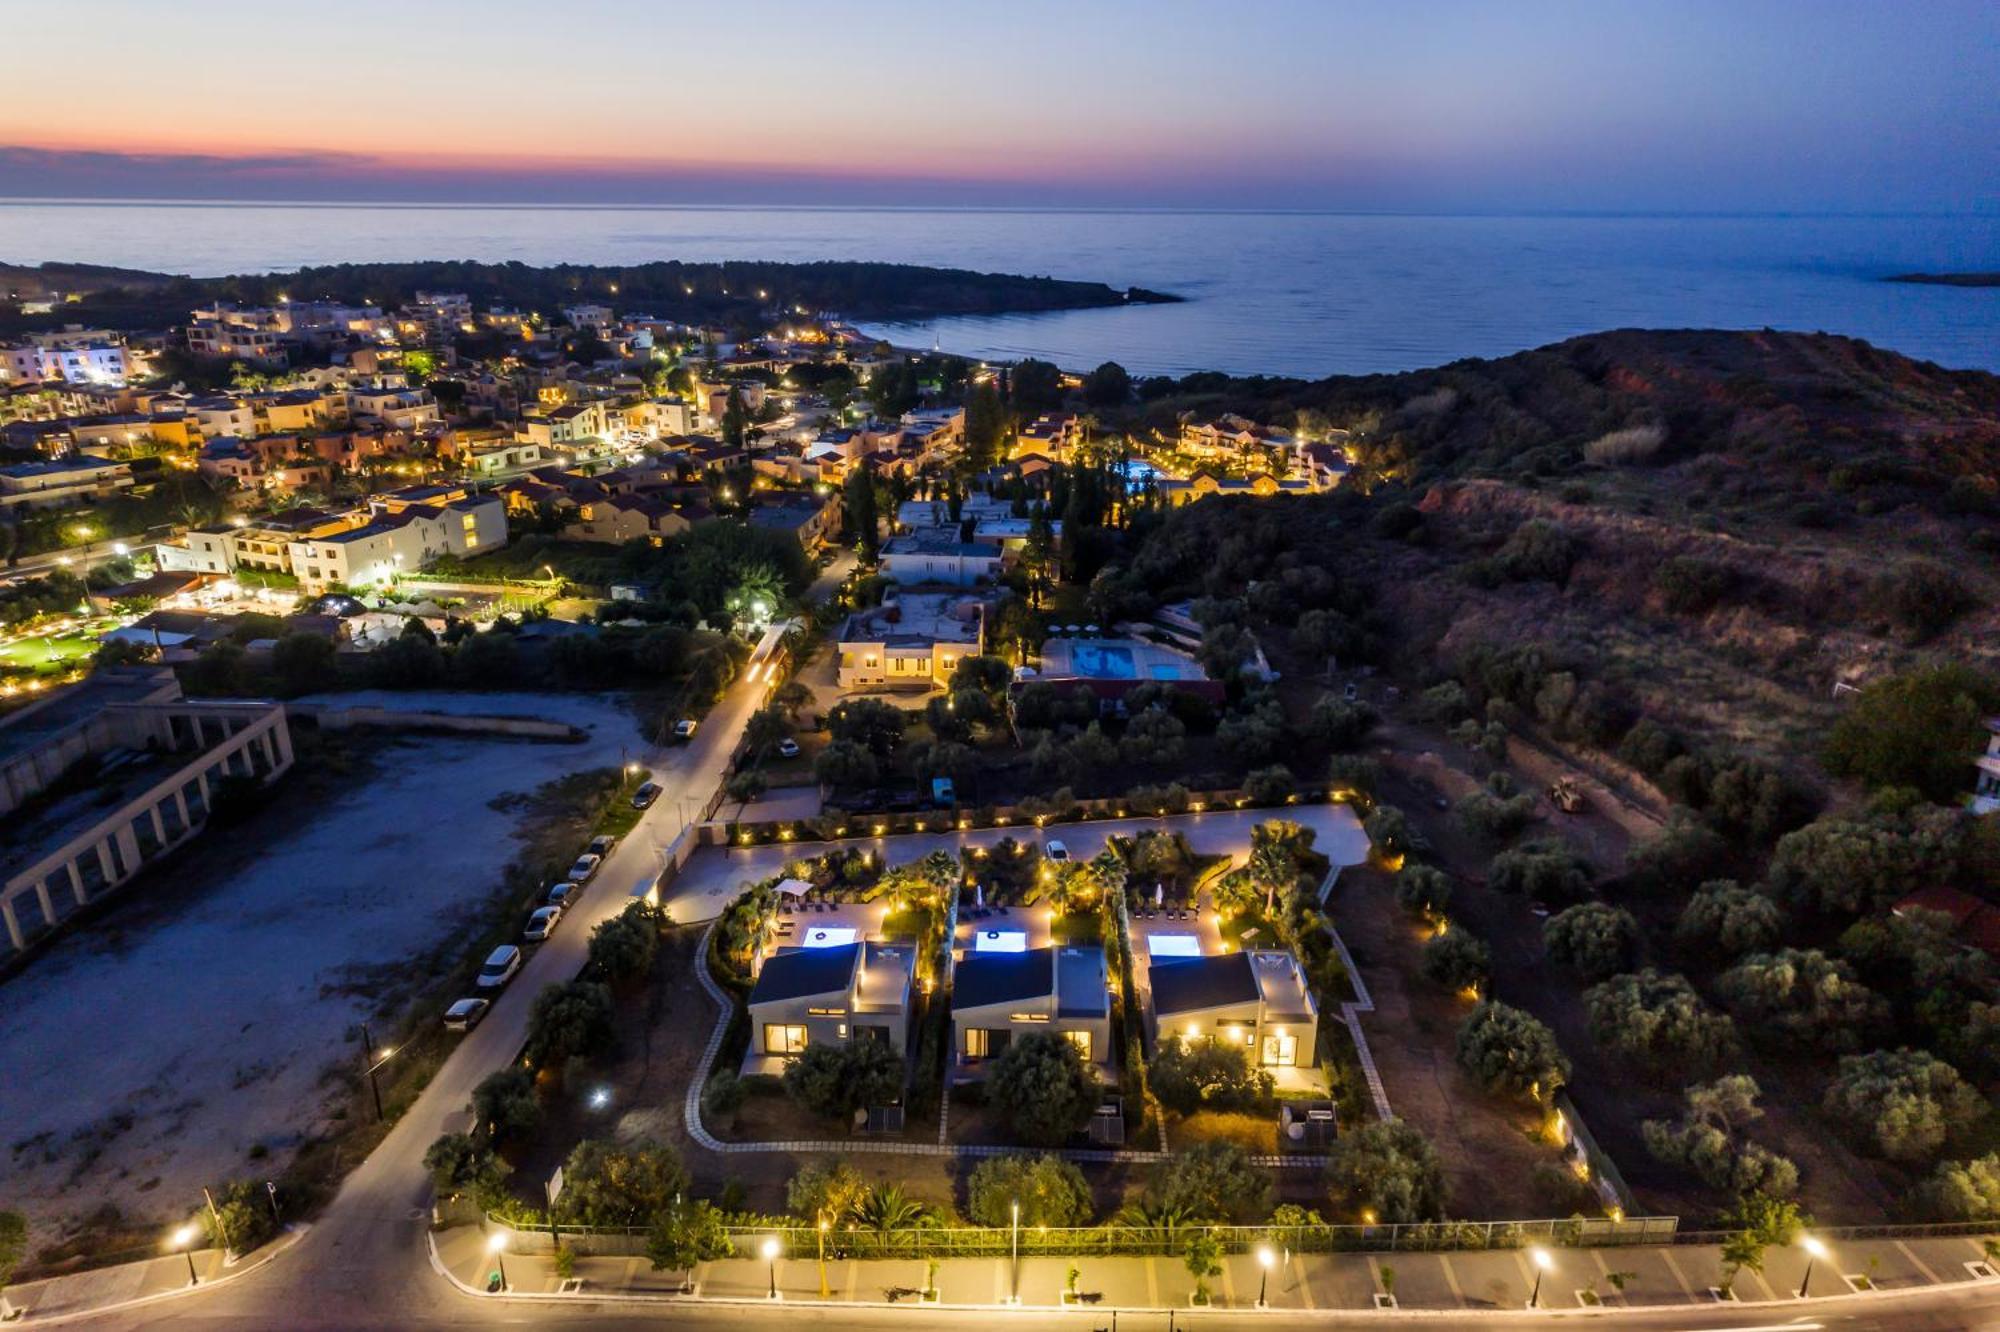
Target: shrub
(1050, 1191)
(1211, 1182)
(1922, 599)
(1354, 772)
(1423, 890)
(1457, 961)
(1689, 585)
(459, 1163)
(825, 1188)
(1042, 1088)
(834, 1080)
(1802, 996)
(1508, 1051)
(504, 1104)
(1496, 817)
(1592, 939)
(1390, 1169)
(1726, 920)
(1207, 1075)
(616, 1184)
(1962, 1190)
(1657, 1021)
(1269, 786)
(1547, 870)
(241, 1218)
(1906, 1105)
(1339, 724)
(1538, 549)
(1632, 444)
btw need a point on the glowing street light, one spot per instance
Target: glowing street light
(1544, 1264)
(496, 1244)
(823, 1223)
(771, 1257)
(184, 1240)
(1015, 1210)
(1264, 1260)
(1815, 1250)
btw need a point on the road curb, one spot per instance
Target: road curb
(270, 1252)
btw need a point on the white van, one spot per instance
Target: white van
(501, 964)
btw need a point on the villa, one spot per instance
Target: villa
(1257, 999)
(833, 987)
(916, 639)
(999, 995)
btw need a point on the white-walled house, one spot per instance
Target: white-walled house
(814, 996)
(1257, 999)
(998, 998)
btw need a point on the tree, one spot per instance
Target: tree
(1726, 920)
(1043, 1088)
(1918, 730)
(1213, 1182)
(864, 524)
(735, 419)
(825, 1189)
(1508, 1051)
(240, 1218)
(1684, 851)
(1708, 1140)
(1203, 1259)
(845, 763)
(985, 423)
(1107, 386)
(1457, 961)
(1036, 387)
(1155, 737)
(1956, 1191)
(486, 661)
(870, 722)
(1388, 830)
(1922, 598)
(1593, 939)
(571, 1020)
(504, 1104)
(1905, 1105)
(1049, 1190)
(1658, 1021)
(791, 698)
(623, 947)
(613, 1184)
(1389, 1169)
(1848, 866)
(459, 1163)
(1547, 870)
(1209, 1074)
(1803, 996)
(1339, 724)
(1423, 890)
(1757, 1222)
(304, 664)
(685, 1235)
(834, 1080)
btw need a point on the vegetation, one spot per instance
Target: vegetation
(1510, 1052)
(1043, 1089)
(1660, 1024)
(1457, 961)
(835, 1080)
(1592, 939)
(1387, 1169)
(1049, 1191)
(1208, 1075)
(1709, 1141)
(1905, 1105)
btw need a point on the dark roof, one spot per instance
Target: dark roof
(1003, 978)
(1202, 982)
(799, 972)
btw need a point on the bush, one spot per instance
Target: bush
(1207, 1075)
(459, 1163)
(1043, 1089)
(1050, 1191)
(1922, 599)
(1916, 730)
(1632, 444)
(1457, 961)
(1657, 1021)
(1962, 1190)
(1726, 920)
(504, 1105)
(834, 1081)
(1538, 549)
(1423, 890)
(615, 1184)
(1495, 817)
(1339, 724)
(724, 1095)
(1509, 1052)
(1390, 1169)
(825, 1188)
(623, 948)
(1269, 786)
(1906, 1105)
(1211, 1182)
(1689, 585)
(1354, 772)
(573, 1020)
(1592, 939)
(1802, 996)
(242, 1217)
(1153, 737)
(1547, 870)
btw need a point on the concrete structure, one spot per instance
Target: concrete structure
(811, 520)
(998, 997)
(847, 992)
(916, 638)
(159, 761)
(936, 555)
(1256, 999)
(402, 536)
(62, 482)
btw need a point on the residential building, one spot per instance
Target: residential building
(1052, 435)
(1986, 783)
(399, 406)
(813, 996)
(405, 531)
(997, 998)
(1257, 1000)
(936, 555)
(74, 356)
(914, 638)
(567, 425)
(616, 519)
(811, 520)
(61, 482)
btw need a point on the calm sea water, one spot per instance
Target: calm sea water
(1284, 293)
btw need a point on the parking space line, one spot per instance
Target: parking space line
(1451, 1279)
(1687, 1288)
(1921, 1265)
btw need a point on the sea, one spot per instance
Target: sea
(1284, 293)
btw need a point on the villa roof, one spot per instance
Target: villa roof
(796, 973)
(1003, 978)
(1198, 983)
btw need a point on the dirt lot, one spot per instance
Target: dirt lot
(188, 1034)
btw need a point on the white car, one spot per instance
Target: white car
(465, 1014)
(586, 865)
(562, 894)
(684, 728)
(788, 748)
(1056, 851)
(542, 924)
(501, 964)
(601, 846)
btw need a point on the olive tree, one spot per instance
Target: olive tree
(1457, 960)
(1708, 1140)
(1962, 1190)
(1906, 1105)
(1593, 939)
(1510, 1052)
(1726, 920)
(834, 1080)
(1802, 996)
(1390, 1169)
(1043, 1088)
(1657, 1021)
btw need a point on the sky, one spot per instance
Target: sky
(1367, 105)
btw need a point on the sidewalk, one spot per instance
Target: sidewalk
(105, 1288)
(1461, 1281)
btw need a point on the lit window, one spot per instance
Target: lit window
(781, 1039)
(1081, 1040)
(975, 1042)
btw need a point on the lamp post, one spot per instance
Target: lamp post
(771, 1257)
(496, 1244)
(1015, 1226)
(368, 1052)
(1264, 1260)
(1543, 1265)
(183, 1240)
(823, 1292)
(1815, 1249)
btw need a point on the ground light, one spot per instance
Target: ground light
(600, 1098)
(1815, 1250)
(183, 1238)
(496, 1244)
(1264, 1260)
(771, 1257)
(1544, 1264)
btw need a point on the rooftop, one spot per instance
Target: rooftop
(930, 617)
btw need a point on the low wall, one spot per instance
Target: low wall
(332, 717)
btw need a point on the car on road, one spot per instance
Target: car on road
(501, 964)
(601, 846)
(542, 924)
(465, 1014)
(1056, 851)
(684, 729)
(788, 748)
(647, 793)
(585, 866)
(562, 894)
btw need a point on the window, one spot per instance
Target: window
(1081, 1040)
(976, 1042)
(781, 1039)
(1281, 1051)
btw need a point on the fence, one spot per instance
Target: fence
(1836, 1234)
(833, 825)
(1102, 1241)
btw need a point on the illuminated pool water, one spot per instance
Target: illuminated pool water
(1000, 941)
(1171, 946)
(828, 936)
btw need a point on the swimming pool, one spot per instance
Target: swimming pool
(828, 936)
(1101, 662)
(1161, 947)
(1000, 941)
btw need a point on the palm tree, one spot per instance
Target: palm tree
(888, 1208)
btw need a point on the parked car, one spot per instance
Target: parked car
(465, 1014)
(788, 748)
(501, 964)
(1056, 851)
(585, 866)
(684, 729)
(647, 793)
(542, 924)
(562, 894)
(601, 846)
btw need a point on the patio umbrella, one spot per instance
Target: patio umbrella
(978, 896)
(1159, 893)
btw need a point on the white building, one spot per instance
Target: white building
(913, 639)
(936, 555)
(399, 539)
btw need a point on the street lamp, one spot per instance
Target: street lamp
(1543, 1265)
(367, 1049)
(771, 1257)
(1264, 1260)
(496, 1244)
(1815, 1249)
(1015, 1227)
(183, 1238)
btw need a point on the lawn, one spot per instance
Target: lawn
(46, 652)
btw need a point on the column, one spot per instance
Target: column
(48, 903)
(106, 863)
(14, 934)
(75, 882)
(159, 824)
(281, 734)
(128, 847)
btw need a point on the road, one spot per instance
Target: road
(77, 559)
